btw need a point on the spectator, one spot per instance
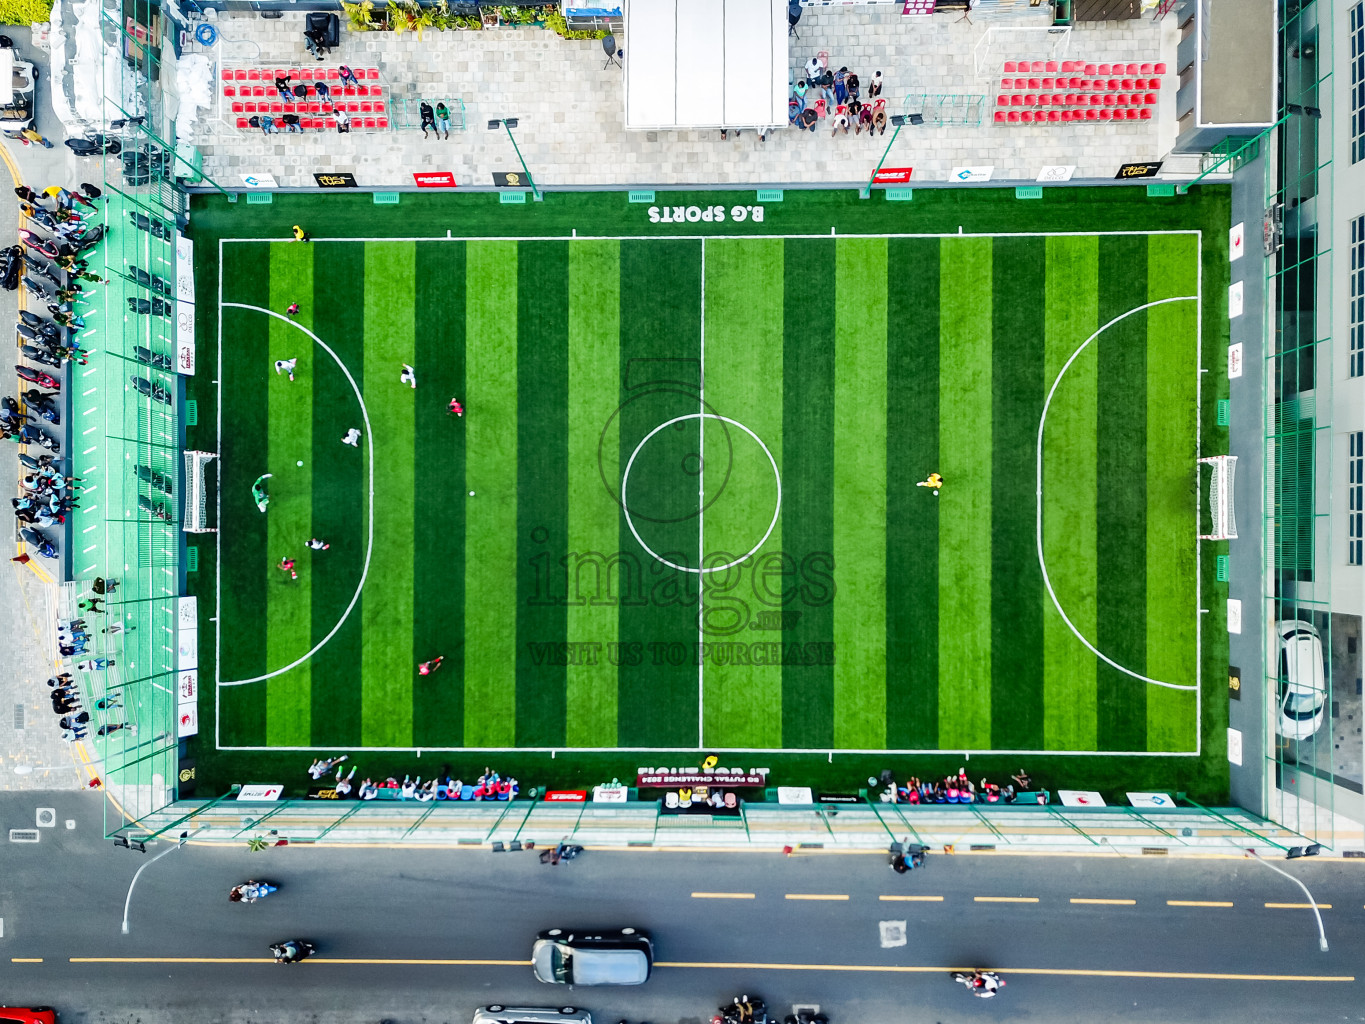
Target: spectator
(291, 123)
(428, 118)
(347, 76)
(343, 121)
(282, 87)
(267, 125)
(442, 120)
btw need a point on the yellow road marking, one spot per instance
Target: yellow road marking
(724, 965)
(1198, 903)
(1061, 972)
(813, 896)
(1297, 906)
(1104, 903)
(1005, 899)
(270, 960)
(25, 959)
(912, 899)
(722, 895)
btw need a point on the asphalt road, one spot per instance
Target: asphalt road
(427, 935)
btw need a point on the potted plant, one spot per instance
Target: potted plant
(360, 16)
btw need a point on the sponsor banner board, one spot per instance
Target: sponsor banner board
(1161, 801)
(1057, 172)
(972, 173)
(566, 796)
(892, 175)
(1147, 170)
(268, 791)
(434, 179)
(259, 181)
(794, 795)
(671, 779)
(187, 720)
(1080, 798)
(336, 179)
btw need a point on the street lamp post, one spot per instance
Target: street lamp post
(1322, 935)
(899, 121)
(127, 901)
(509, 123)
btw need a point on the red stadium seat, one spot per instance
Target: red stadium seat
(371, 73)
(1011, 66)
(1154, 84)
(382, 122)
(1000, 117)
(1160, 69)
(1050, 67)
(1096, 99)
(238, 108)
(1030, 100)
(1106, 70)
(258, 91)
(253, 75)
(1145, 69)
(229, 90)
(1034, 84)
(1145, 113)
(1054, 116)
(1014, 117)
(1092, 70)
(1149, 99)
(1110, 100)
(243, 123)
(333, 75)
(1121, 100)
(1026, 116)
(1049, 84)
(369, 122)
(1091, 115)
(1016, 100)
(1127, 84)
(1131, 69)
(277, 108)
(379, 106)
(367, 108)
(1106, 114)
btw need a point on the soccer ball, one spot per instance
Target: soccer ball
(471, 494)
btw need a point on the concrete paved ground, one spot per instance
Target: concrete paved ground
(572, 110)
(432, 935)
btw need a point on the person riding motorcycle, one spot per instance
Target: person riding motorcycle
(250, 891)
(291, 951)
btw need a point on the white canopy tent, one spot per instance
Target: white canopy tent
(705, 64)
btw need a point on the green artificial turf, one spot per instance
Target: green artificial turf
(862, 363)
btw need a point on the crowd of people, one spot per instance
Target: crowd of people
(72, 717)
(836, 97)
(444, 786)
(959, 789)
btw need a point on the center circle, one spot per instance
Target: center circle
(625, 481)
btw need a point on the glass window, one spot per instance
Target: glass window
(1357, 19)
(1356, 353)
(1355, 489)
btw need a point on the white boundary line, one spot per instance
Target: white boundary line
(1042, 562)
(1198, 497)
(218, 534)
(701, 508)
(369, 541)
(765, 750)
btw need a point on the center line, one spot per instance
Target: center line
(912, 899)
(813, 896)
(1297, 906)
(1198, 903)
(722, 895)
(1005, 899)
(1105, 903)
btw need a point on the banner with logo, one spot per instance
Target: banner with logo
(336, 179)
(965, 174)
(892, 175)
(1148, 170)
(261, 792)
(434, 179)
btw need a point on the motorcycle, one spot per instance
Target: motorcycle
(41, 355)
(35, 376)
(144, 223)
(560, 851)
(95, 145)
(982, 984)
(11, 265)
(291, 951)
(38, 244)
(90, 238)
(40, 543)
(251, 891)
(38, 291)
(743, 1010)
(146, 355)
(47, 273)
(44, 440)
(150, 390)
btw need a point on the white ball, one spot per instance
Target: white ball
(299, 463)
(471, 494)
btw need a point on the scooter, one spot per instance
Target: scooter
(40, 543)
(558, 852)
(743, 1010)
(35, 376)
(150, 390)
(44, 440)
(47, 272)
(40, 355)
(146, 355)
(11, 263)
(39, 245)
(90, 238)
(250, 891)
(982, 984)
(291, 951)
(95, 145)
(38, 291)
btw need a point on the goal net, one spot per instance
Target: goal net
(195, 517)
(1220, 498)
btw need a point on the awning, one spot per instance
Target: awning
(705, 64)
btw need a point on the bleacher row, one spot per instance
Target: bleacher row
(248, 91)
(1052, 92)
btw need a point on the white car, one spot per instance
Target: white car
(1302, 686)
(497, 1014)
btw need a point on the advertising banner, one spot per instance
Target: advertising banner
(258, 792)
(1148, 170)
(892, 175)
(972, 173)
(434, 179)
(566, 796)
(259, 181)
(510, 179)
(1080, 798)
(336, 179)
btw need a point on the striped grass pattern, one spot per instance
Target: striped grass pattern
(580, 606)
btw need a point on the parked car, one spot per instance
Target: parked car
(1302, 680)
(497, 1014)
(17, 78)
(36, 1015)
(606, 958)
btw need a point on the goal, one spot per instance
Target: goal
(1220, 498)
(195, 517)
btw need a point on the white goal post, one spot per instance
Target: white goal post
(1220, 498)
(195, 517)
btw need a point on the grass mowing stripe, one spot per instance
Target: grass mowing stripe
(1121, 482)
(289, 609)
(440, 502)
(596, 576)
(808, 486)
(660, 374)
(912, 409)
(1070, 495)
(860, 288)
(491, 515)
(1018, 306)
(387, 661)
(542, 489)
(1172, 378)
(243, 456)
(744, 333)
(964, 549)
(341, 499)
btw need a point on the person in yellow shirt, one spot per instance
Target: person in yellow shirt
(934, 480)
